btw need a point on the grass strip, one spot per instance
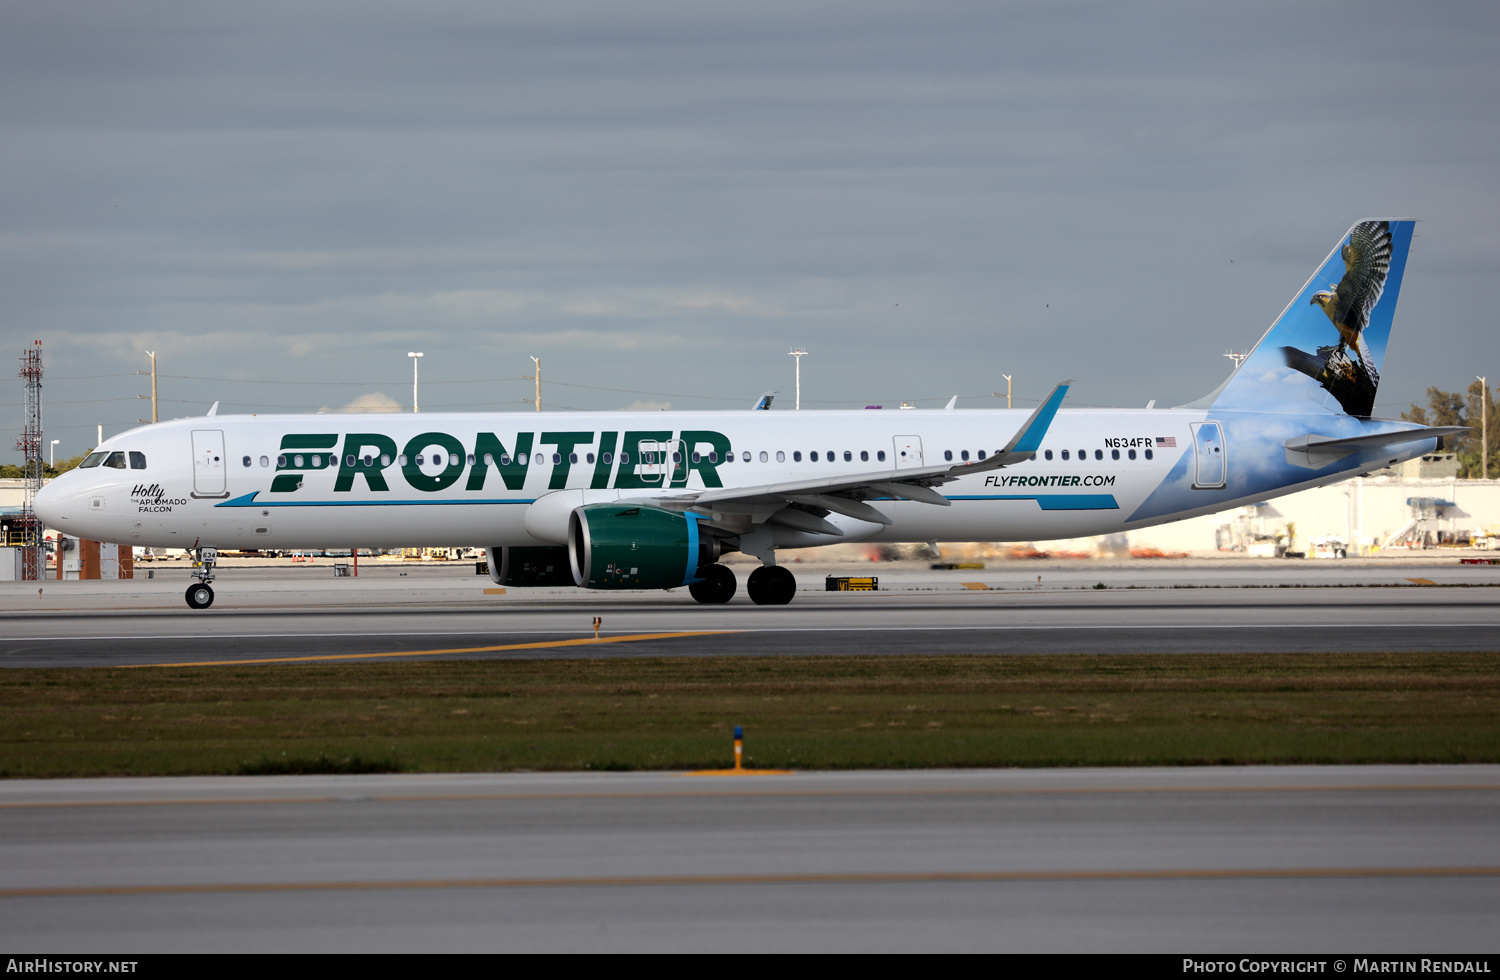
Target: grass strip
(798, 712)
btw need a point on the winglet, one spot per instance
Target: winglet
(1029, 438)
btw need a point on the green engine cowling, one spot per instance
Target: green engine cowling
(630, 547)
(521, 568)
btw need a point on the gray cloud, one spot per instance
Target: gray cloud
(660, 198)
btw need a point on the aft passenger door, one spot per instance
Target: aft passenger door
(655, 462)
(1208, 451)
(208, 463)
(908, 451)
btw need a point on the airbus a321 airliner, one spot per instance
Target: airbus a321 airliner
(626, 500)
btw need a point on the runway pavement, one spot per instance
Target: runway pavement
(1337, 859)
(301, 612)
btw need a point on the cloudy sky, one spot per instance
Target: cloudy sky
(659, 199)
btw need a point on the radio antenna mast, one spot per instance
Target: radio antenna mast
(30, 445)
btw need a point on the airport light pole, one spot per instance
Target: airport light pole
(52, 454)
(151, 354)
(538, 379)
(797, 352)
(1484, 428)
(414, 354)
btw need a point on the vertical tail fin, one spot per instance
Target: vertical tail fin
(1325, 350)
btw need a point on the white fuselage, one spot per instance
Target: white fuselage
(385, 481)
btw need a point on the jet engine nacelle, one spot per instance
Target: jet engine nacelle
(521, 568)
(616, 546)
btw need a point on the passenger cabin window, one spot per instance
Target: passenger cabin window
(880, 455)
(265, 461)
(780, 456)
(964, 455)
(1131, 453)
(864, 455)
(948, 455)
(796, 456)
(1098, 454)
(1114, 454)
(1148, 454)
(1048, 454)
(138, 460)
(1064, 454)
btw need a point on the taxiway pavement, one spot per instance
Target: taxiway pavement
(306, 613)
(447, 611)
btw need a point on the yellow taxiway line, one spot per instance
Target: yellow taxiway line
(542, 645)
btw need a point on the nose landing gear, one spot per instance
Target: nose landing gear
(200, 595)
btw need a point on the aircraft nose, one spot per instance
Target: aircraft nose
(52, 504)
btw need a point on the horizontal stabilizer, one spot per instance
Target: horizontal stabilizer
(1315, 452)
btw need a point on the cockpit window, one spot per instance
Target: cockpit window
(92, 459)
(115, 461)
(137, 460)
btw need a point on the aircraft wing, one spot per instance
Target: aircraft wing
(803, 503)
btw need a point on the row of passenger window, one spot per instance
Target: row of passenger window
(115, 460)
(1099, 454)
(137, 461)
(318, 460)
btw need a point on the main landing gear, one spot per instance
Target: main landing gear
(771, 585)
(715, 585)
(200, 595)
